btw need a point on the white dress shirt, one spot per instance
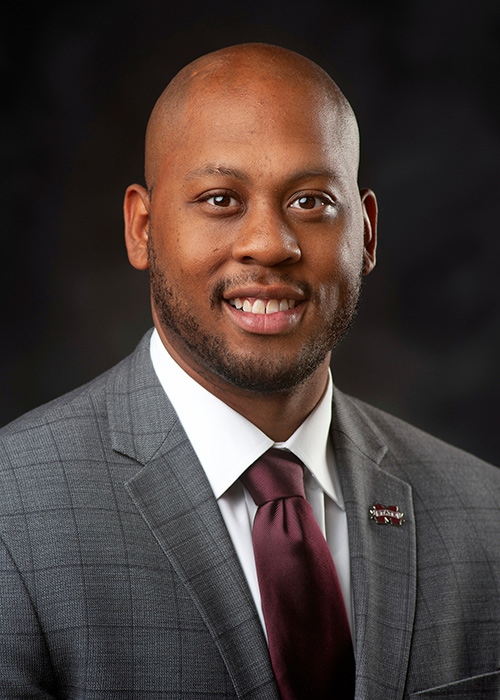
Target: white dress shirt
(226, 444)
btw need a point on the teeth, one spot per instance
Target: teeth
(261, 306)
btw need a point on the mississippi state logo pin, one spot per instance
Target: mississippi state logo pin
(386, 515)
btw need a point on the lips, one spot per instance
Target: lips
(257, 313)
(261, 306)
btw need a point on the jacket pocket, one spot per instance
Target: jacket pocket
(484, 687)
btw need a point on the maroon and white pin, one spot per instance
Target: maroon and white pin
(386, 515)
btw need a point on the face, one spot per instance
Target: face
(257, 239)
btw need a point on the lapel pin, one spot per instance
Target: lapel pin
(386, 515)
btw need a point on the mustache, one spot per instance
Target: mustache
(267, 279)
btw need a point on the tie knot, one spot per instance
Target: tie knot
(277, 474)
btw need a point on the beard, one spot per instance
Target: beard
(267, 373)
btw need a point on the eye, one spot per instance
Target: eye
(222, 200)
(311, 201)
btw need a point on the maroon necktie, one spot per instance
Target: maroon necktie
(308, 632)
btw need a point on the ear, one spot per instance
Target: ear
(370, 211)
(136, 214)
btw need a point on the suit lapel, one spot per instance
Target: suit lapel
(176, 501)
(383, 556)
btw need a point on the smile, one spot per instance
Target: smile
(262, 306)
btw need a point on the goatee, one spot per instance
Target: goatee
(267, 374)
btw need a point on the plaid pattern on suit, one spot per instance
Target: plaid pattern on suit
(118, 578)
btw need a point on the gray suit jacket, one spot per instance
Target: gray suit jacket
(118, 578)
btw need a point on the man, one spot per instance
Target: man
(127, 564)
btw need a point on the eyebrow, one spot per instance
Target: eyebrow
(240, 175)
(309, 174)
(217, 170)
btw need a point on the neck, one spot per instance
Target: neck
(277, 415)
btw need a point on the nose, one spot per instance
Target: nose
(265, 239)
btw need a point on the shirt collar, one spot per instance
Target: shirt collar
(226, 443)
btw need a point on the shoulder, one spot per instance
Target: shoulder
(69, 423)
(411, 450)
(46, 453)
(62, 415)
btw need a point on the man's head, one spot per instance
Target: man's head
(252, 199)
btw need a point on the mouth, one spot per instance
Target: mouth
(261, 306)
(266, 309)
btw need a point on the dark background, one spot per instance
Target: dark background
(78, 83)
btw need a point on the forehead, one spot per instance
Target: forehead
(266, 106)
(261, 122)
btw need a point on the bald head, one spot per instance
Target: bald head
(246, 71)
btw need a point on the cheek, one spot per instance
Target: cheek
(350, 245)
(339, 272)
(350, 254)
(338, 258)
(196, 264)
(183, 248)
